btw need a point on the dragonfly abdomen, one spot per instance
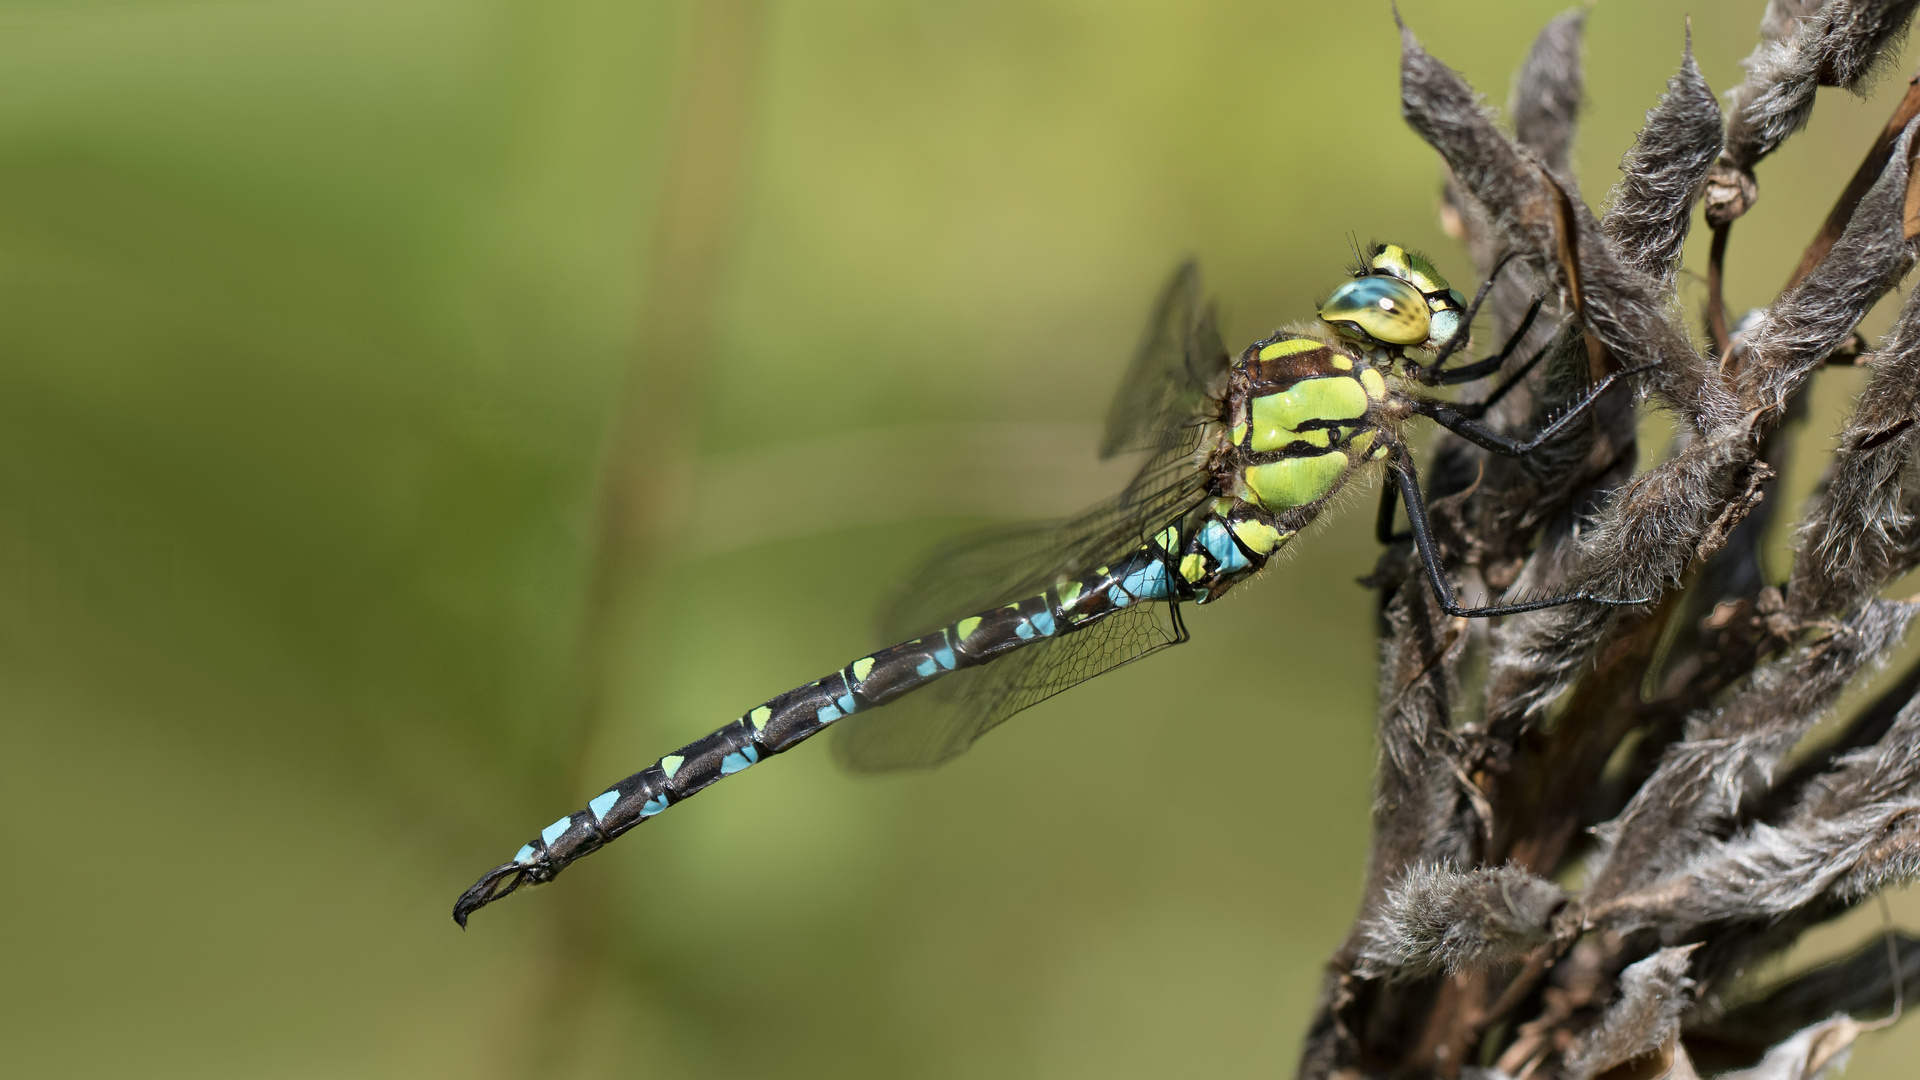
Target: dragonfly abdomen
(1159, 571)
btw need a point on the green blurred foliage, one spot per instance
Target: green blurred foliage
(314, 318)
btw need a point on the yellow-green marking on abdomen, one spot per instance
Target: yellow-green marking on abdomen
(1260, 537)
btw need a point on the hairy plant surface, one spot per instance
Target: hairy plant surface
(1592, 824)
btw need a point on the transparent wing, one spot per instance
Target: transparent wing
(928, 727)
(1176, 370)
(1170, 394)
(1172, 390)
(986, 569)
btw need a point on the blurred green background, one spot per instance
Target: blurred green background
(415, 415)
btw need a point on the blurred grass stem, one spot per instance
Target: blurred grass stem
(694, 224)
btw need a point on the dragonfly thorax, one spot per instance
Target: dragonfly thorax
(1302, 414)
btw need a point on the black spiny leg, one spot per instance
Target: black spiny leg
(1474, 410)
(1460, 336)
(1458, 419)
(1389, 503)
(1431, 373)
(1479, 369)
(1409, 478)
(1390, 490)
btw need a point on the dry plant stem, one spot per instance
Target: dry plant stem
(1488, 162)
(1644, 1016)
(1699, 781)
(1859, 984)
(1867, 728)
(1678, 715)
(1539, 801)
(1515, 991)
(1718, 333)
(1870, 169)
(1860, 532)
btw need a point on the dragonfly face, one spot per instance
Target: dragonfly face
(1381, 310)
(1397, 301)
(1301, 414)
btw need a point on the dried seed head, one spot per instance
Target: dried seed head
(1646, 1016)
(1437, 919)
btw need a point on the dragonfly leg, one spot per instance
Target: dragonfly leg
(1389, 504)
(1474, 410)
(1460, 419)
(1459, 337)
(1409, 478)
(1479, 369)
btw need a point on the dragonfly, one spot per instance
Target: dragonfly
(1241, 454)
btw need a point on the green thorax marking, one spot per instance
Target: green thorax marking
(1278, 419)
(1282, 485)
(1289, 347)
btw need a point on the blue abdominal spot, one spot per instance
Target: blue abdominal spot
(1149, 582)
(1220, 545)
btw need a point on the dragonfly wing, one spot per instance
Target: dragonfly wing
(986, 569)
(972, 572)
(1176, 371)
(928, 727)
(1170, 395)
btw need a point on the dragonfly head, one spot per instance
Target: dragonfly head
(1417, 298)
(1379, 310)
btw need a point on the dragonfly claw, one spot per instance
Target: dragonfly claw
(1619, 603)
(488, 889)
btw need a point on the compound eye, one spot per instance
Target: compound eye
(1385, 309)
